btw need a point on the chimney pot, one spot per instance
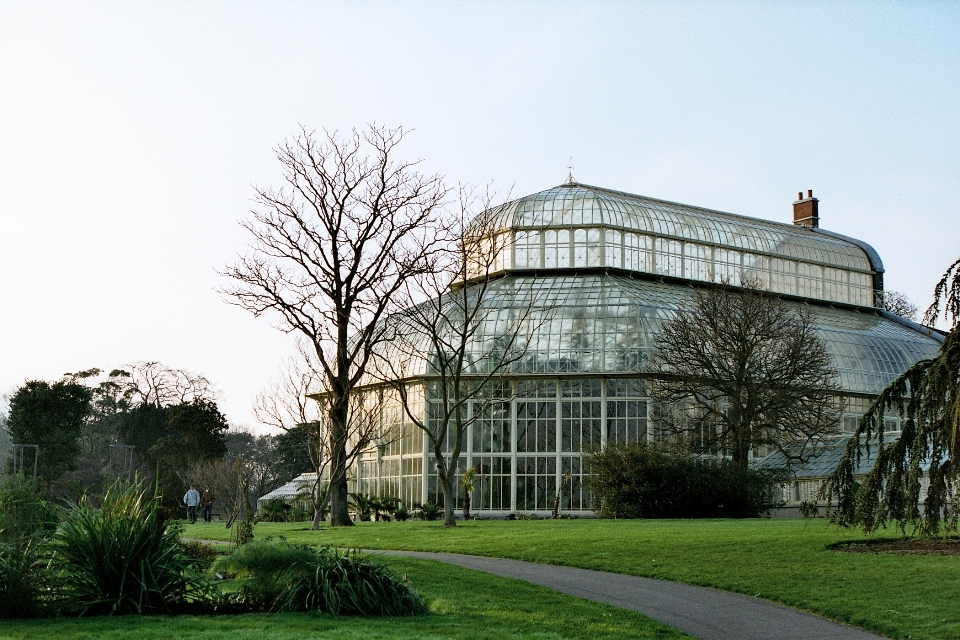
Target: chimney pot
(805, 210)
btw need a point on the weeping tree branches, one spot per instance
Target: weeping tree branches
(927, 397)
(330, 256)
(743, 370)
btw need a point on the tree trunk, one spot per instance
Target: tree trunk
(741, 448)
(339, 508)
(466, 505)
(318, 510)
(450, 500)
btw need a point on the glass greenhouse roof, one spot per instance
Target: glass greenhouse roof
(577, 226)
(605, 324)
(576, 205)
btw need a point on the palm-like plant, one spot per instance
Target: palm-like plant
(468, 481)
(122, 557)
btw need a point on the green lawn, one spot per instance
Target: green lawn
(465, 604)
(782, 560)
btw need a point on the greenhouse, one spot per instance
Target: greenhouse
(592, 273)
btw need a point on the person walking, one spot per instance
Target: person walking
(206, 504)
(192, 498)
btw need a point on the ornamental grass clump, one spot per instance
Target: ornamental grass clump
(349, 584)
(122, 558)
(21, 579)
(282, 577)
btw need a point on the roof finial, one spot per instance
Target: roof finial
(570, 178)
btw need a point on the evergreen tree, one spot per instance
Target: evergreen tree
(51, 416)
(927, 397)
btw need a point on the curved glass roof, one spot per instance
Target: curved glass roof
(577, 205)
(576, 226)
(605, 324)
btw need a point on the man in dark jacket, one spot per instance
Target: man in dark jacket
(206, 504)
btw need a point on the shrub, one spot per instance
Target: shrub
(641, 480)
(401, 514)
(429, 511)
(122, 558)
(348, 584)
(23, 513)
(26, 521)
(285, 577)
(200, 555)
(21, 579)
(262, 569)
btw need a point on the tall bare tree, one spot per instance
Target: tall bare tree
(471, 329)
(330, 257)
(927, 398)
(741, 369)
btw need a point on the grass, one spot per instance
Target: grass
(788, 561)
(464, 603)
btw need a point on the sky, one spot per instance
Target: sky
(132, 134)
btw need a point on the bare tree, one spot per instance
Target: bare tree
(899, 304)
(471, 329)
(740, 369)
(159, 385)
(331, 254)
(285, 405)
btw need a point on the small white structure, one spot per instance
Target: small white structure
(295, 493)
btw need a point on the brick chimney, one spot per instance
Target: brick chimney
(805, 212)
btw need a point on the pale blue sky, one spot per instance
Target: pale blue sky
(130, 134)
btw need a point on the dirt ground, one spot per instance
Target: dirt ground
(914, 546)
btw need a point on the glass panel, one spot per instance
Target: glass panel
(668, 255)
(783, 276)
(491, 428)
(613, 248)
(536, 483)
(492, 485)
(576, 496)
(626, 421)
(536, 426)
(726, 266)
(810, 280)
(697, 262)
(527, 250)
(556, 248)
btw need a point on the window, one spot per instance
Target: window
(668, 257)
(527, 250)
(697, 262)
(556, 248)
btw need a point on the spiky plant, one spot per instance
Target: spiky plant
(349, 584)
(122, 558)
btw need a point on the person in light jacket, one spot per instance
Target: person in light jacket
(192, 498)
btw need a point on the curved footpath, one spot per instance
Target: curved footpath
(705, 613)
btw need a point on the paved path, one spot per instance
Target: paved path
(703, 613)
